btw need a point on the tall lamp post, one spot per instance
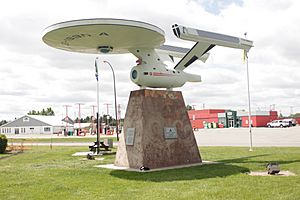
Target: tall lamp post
(115, 95)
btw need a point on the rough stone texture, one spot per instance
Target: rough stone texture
(149, 111)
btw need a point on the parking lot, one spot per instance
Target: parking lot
(281, 137)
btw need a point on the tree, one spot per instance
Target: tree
(47, 112)
(3, 143)
(3, 122)
(296, 115)
(84, 120)
(87, 119)
(33, 112)
(281, 115)
(50, 112)
(189, 107)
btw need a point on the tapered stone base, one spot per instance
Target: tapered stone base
(157, 132)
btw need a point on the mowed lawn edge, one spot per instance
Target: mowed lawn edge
(42, 173)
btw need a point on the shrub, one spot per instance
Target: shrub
(3, 143)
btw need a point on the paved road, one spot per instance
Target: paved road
(240, 137)
(280, 137)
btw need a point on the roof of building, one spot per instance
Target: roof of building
(255, 113)
(52, 120)
(206, 113)
(35, 120)
(68, 120)
(82, 125)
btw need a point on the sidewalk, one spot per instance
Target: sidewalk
(27, 136)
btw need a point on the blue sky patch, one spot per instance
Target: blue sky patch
(215, 6)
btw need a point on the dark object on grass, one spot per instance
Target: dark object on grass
(3, 143)
(90, 157)
(104, 147)
(273, 168)
(143, 168)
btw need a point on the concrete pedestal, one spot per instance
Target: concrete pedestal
(157, 132)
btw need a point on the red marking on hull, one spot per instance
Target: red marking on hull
(161, 74)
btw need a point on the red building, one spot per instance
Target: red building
(298, 120)
(228, 118)
(200, 117)
(258, 118)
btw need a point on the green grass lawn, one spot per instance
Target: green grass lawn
(42, 173)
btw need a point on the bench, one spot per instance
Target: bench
(102, 146)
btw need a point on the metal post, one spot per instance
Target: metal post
(98, 134)
(67, 119)
(249, 105)
(93, 113)
(79, 118)
(93, 117)
(115, 95)
(107, 113)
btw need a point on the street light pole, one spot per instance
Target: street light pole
(115, 95)
(249, 105)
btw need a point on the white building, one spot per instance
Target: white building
(36, 124)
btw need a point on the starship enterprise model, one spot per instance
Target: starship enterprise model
(146, 42)
(157, 130)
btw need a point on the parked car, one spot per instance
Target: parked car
(278, 123)
(292, 122)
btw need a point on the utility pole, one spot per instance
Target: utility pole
(93, 116)
(107, 112)
(93, 106)
(291, 110)
(67, 118)
(119, 111)
(79, 117)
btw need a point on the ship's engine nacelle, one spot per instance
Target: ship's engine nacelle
(160, 77)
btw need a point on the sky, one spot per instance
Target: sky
(35, 76)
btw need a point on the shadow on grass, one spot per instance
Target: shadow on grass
(248, 159)
(9, 154)
(245, 159)
(189, 173)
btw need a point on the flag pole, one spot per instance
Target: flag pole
(249, 101)
(97, 125)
